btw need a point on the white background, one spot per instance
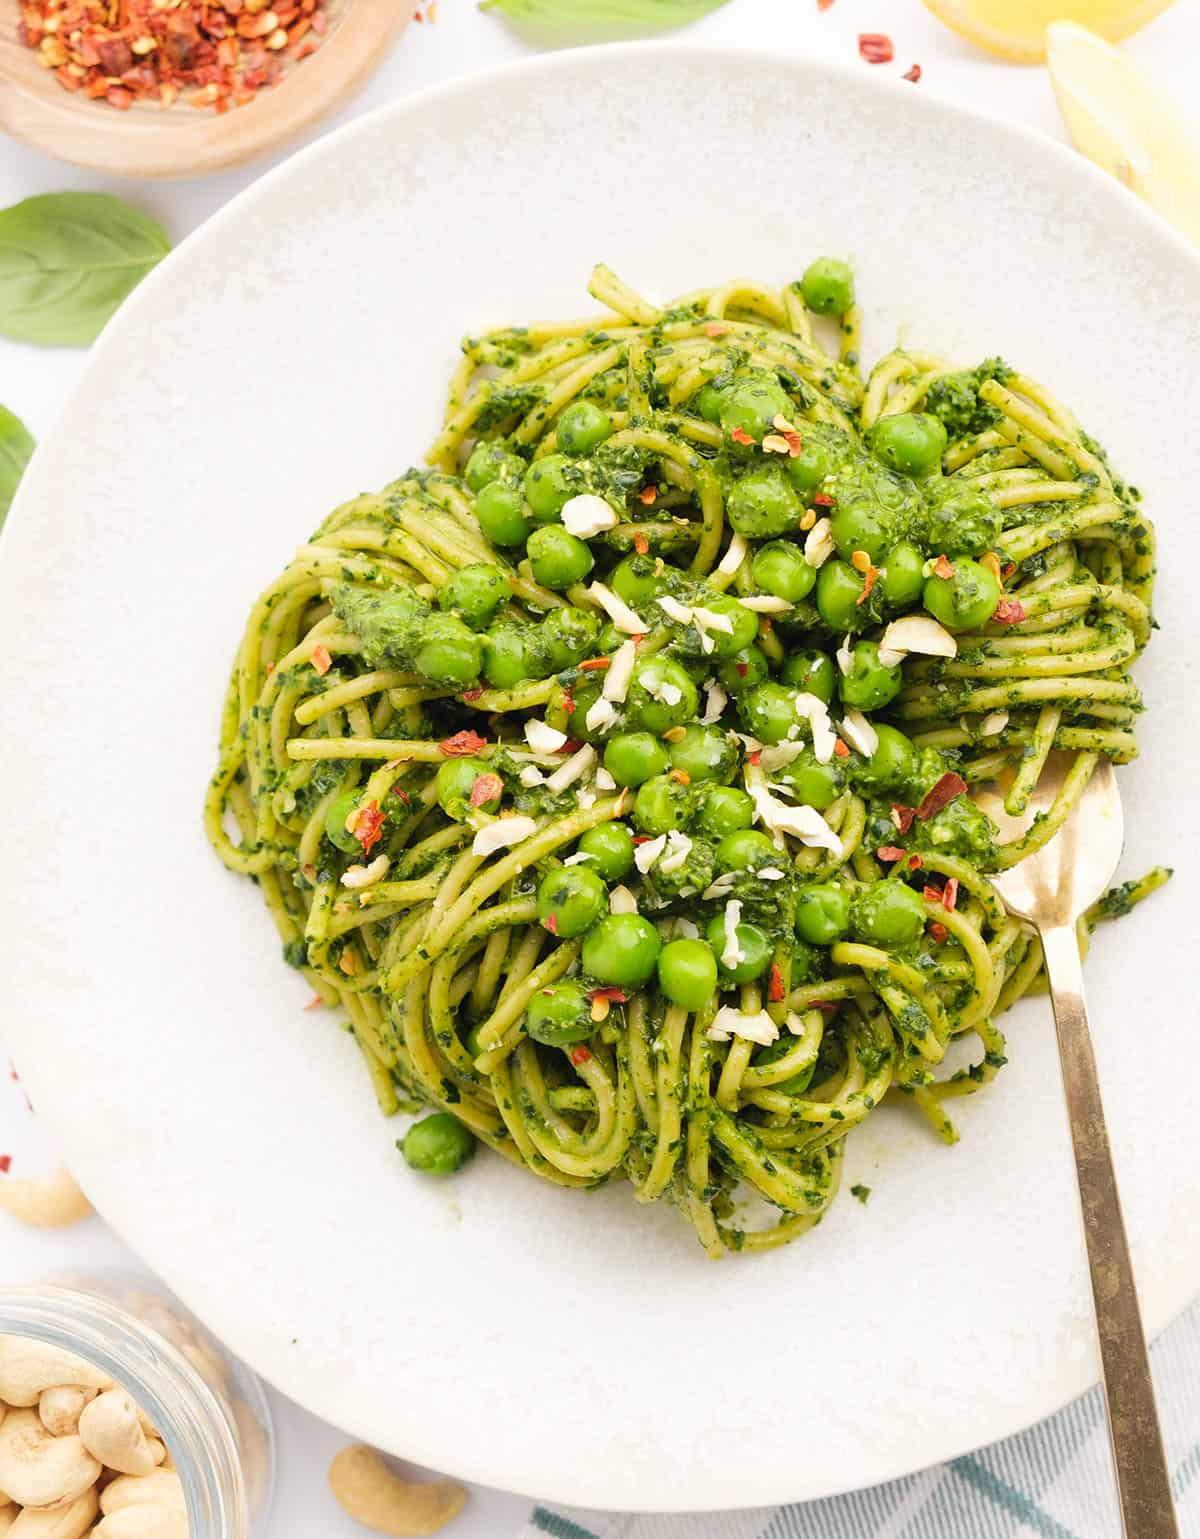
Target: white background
(34, 383)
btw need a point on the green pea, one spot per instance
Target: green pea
(621, 950)
(815, 784)
(891, 766)
(888, 913)
(752, 403)
(811, 672)
(902, 576)
(861, 523)
(961, 519)
(708, 400)
(558, 558)
(570, 899)
(335, 823)
(582, 427)
(965, 601)
(490, 462)
(809, 468)
(438, 1145)
(753, 943)
(911, 442)
(780, 568)
(634, 581)
(631, 758)
(567, 635)
(476, 594)
(822, 913)
(453, 784)
(500, 509)
(747, 850)
(743, 671)
(839, 588)
(705, 753)
(828, 286)
(763, 503)
(507, 659)
(559, 1015)
(661, 805)
(549, 483)
(610, 846)
(794, 1084)
(661, 695)
(687, 973)
(744, 623)
(769, 712)
(448, 653)
(725, 810)
(869, 684)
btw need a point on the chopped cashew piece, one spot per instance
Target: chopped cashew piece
(366, 876)
(732, 955)
(47, 1202)
(601, 713)
(620, 671)
(733, 557)
(604, 781)
(765, 604)
(993, 723)
(915, 633)
(372, 1494)
(730, 1022)
(622, 901)
(819, 546)
(715, 701)
(845, 655)
(574, 769)
(674, 610)
(501, 834)
(679, 847)
(645, 855)
(111, 1432)
(812, 708)
(543, 738)
(710, 620)
(859, 732)
(587, 515)
(617, 610)
(804, 823)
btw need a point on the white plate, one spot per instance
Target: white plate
(294, 352)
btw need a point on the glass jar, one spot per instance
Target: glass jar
(210, 1409)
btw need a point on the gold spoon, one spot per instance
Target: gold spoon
(1052, 888)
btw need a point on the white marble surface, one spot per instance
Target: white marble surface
(34, 383)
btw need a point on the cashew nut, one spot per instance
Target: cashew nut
(38, 1470)
(50, 1201)
(145, 1520)
(28, 1367)
(8, 1516)
(112, 1433)
(59, 1408)
(163, 1487)
(70, 1522)
(371, 1493)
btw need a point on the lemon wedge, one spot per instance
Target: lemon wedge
(1016, 29)
(1120, 119)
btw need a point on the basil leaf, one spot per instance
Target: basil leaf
(643, 13)
(16, 445)
(67, 260)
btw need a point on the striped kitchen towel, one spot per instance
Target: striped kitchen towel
(1052, 1482)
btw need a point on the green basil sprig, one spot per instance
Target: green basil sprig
(642, 13)
(16, 445)
(67, 260)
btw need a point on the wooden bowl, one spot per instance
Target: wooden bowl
(149, 141)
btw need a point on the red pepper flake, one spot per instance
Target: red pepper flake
(570, 705)
(915, 862)
(764, 624)
(950, 894)
(756, 757)
(640, 543)
(890, 852)
(823, 499)
(321, 660)
(1009, 570)
(368, 826)
(902, 816)
(742, 669)
(469, 696)
(642, 838)
(740, 436)
(931, 894)
(580, 1054)
(270, 669)
(5, 1164)
(715, 329)
(680, 776)
(1009, 612)
(487, 788)
(572, 745)
(402, 794)
(869, 577)
(648, 495)
(314, 1003)
(595, 664)
(602, 999)
(827, 1005)
(462, 744)
(939, 932)
(913, 73)
(941, 795)
(551, 923)
(840, 749)
(794, 442)
(775, 990)
(943, 567)
(876, 47)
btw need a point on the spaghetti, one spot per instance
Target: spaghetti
(611, 774)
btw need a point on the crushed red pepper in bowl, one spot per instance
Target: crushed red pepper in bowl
(222, 52)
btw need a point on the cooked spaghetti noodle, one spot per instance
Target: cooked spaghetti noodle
(610, 775)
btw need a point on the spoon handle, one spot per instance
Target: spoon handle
(1143, 1483)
